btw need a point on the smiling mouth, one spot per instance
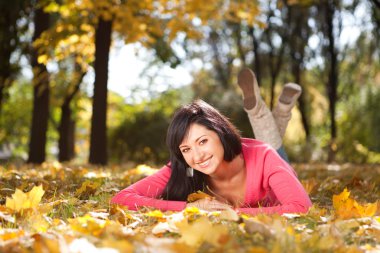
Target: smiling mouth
(205, 163)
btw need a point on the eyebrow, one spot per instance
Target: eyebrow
(182, 146)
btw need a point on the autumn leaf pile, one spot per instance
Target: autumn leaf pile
(62, 208)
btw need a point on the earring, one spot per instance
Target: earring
(189, 172)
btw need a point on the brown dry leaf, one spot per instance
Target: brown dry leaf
(47, 243)
(346, 207)
(21, 200)
(121, 245)
(5, 215)
(88, 188)
(197, 196)
(119, 213)
(257, 249)
(309, 184)
(182, 247)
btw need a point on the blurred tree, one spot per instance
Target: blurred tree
(375, 15)
(98, 141)
(66, 128)
(13, 24)
(41, 93)
(68, 45)
(299, 33)
(276, 38)
(331, 25)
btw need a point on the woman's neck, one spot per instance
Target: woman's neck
(229, 170)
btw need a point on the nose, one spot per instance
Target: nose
(198, 155)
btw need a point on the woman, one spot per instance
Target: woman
(208, 154)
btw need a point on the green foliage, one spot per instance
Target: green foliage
(360, 126)
(140, 136)
(16, 118)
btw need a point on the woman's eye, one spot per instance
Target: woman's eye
(203, 141)
(184, 150)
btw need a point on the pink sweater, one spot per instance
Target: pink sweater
(271, 187)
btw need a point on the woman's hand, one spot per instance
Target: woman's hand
(208, 204)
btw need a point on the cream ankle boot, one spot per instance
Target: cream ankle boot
(282, 112)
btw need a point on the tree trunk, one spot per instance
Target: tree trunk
(222, 68)
(257, 61)
(237, 35)
(9, 42)
(37, 144)
(299, 35)
(332, 84)
(71, 146)
(64, 133)
(275, 57)
(66, 127)
(98, 142)
(275, 63)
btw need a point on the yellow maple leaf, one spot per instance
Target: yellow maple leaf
(346, 207)
(21, 200)
(88, 225)
(155, 214)
(197, 196)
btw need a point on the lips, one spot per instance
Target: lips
(205, 163)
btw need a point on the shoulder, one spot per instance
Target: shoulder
(253, 144)
(257, 151)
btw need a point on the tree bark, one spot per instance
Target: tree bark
(66, 127)
(98, 142)
(237, 35)
(41, 92)
(299, 35)
(223, 72)
(275, 58)
(9, 42)
(332, 58)
(64, 136)
(257, 61)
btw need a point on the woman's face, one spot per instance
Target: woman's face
(202, 149)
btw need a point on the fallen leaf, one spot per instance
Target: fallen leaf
(87, 225)
(197, 196)
(309, 184)
(7, 234)
(254, 226)
(202, 230)
(87, 188)
(229, 214)
(346, 207)
(47, 243)
(21, 200)
(163, 227)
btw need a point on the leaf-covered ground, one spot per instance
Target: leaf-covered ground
(59, 208)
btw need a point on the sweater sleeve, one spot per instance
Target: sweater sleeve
(284, 192)
(147, 191)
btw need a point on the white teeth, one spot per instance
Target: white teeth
(204, 163)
